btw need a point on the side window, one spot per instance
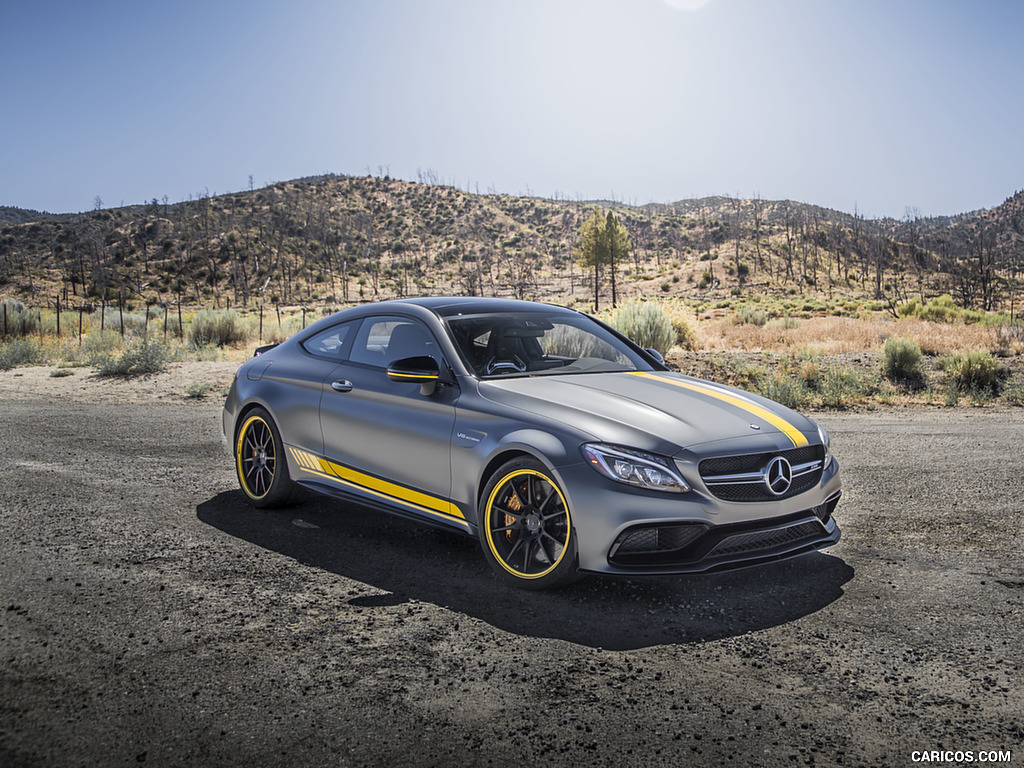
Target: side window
(330, 342)
(382, 340)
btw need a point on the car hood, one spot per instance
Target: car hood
(658, 411)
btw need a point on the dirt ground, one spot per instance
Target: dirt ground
(148, 616)
(82, 385)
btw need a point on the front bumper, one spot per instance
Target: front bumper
(629, 531)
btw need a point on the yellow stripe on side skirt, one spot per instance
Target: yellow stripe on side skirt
(794, 434)
(331, 471)
(396, 491)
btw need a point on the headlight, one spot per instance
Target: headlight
(825, 441)
(632, 467)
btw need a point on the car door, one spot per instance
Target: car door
(294, 383)
(389, 439)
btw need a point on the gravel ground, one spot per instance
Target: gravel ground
(149, 617)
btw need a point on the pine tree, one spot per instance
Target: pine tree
(603, 242)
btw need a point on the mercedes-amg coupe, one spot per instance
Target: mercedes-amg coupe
(563, 446)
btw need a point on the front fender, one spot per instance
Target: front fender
(474, 462)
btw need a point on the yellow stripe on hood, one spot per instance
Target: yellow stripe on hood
(794, 434)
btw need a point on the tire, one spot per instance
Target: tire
(525, 528)
(260, 462)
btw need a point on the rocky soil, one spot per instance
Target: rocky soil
(148, 616)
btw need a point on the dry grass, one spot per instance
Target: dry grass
(841, 335)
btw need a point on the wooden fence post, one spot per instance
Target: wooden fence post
(120, 312)
(58, 315)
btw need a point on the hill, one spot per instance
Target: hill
(332, 240)
(9, 215)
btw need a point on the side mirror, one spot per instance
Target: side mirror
(422, 370)
(655, 354)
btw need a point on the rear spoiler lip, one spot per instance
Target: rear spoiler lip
(265, 348)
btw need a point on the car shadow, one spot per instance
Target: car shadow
(409, 561)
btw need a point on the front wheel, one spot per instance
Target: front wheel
(260, 463)
(525, 527)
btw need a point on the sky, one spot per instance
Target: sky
(884, 107)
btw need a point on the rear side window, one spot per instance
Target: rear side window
(331, 342)
(382, 340)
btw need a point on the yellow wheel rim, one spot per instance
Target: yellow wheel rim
(527, 524)
(256, 457)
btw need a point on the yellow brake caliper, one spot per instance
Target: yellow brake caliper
(515, 505)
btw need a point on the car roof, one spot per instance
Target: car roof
(439, 306)
(445, 306)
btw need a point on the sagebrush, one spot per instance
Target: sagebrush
(646, 324)
(213, 328)
(902, 361)
(142, 356)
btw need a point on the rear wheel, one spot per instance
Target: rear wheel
(260, 462)
(525, 527)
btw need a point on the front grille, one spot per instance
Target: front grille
(660, 539)
(760, 540)
(698, 546)
(738, 478)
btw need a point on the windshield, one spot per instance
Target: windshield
(539, 344)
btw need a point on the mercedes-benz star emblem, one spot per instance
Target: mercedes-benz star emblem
(778, 476)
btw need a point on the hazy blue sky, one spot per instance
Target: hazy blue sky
(878, 104)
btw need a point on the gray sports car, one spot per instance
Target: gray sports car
(558, 442)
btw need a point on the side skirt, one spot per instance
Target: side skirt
(380, 505)
(327, 477)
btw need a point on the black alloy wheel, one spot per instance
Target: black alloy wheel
(526, 530)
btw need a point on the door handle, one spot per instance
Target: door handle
(341, 385)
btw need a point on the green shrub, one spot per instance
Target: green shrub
(910, 308)
(941, 309)
(171, 328)
(98, 345)
(21, 321)
(646, 324)
(839, 387)
(680, 320)
(972, 371)
(1013, 392)
(901, 361)
(783, 389)
(142, 356)
(981, 396)
(809, 371)
(743, 374)
(21, 352)
(213, 328)
(110, 319)
(785, 323)
(198, 391)
(750, 315)
(952, 394)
